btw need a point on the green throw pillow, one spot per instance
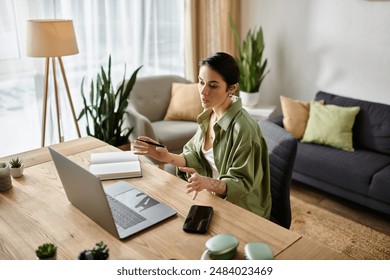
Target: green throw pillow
(330, 125)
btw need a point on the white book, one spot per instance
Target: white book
(115, 165)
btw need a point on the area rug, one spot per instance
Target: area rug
(343, 235)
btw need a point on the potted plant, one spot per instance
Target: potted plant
(16, 167)
(46, 251)
(99, 252)
(251, 64)
(105, 111)
(5, 177)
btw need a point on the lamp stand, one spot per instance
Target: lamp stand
(46, 84)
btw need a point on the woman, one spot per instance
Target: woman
(228, 155)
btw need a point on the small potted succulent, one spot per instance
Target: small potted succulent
(5, 177)
(46, 251)
(16, 167)
(99, 252)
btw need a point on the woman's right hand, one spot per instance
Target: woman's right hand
(145, 149)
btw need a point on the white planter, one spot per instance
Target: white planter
(249, 99)
(16, 172)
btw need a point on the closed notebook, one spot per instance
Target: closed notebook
(115, 165)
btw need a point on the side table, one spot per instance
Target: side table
(260, 112)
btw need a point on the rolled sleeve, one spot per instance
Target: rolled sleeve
(234, 189)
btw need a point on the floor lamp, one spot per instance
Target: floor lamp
(52, 39)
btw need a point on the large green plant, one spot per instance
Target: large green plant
(250, 59)
(105, 111)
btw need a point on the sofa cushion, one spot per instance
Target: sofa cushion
(330, 125)
(295, 115)
(351, 171)
(185, 104)
(380, 186)
(151, 95)
(372, 124)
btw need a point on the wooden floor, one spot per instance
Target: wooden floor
(341, 207)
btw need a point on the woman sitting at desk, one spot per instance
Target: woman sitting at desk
(228, 155)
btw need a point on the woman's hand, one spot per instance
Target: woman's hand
(145, 149)
(197, 183)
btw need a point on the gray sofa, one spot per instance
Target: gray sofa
(362, 176)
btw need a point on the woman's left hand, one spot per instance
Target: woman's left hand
(196, 182)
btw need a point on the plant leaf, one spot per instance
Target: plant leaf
(106, 109)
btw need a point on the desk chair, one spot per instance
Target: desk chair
(282, 149)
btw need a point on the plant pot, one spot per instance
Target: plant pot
(48, 259)
(17, 172)
(124, 147)
(5, 177)
(249, 99)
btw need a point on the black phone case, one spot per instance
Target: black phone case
(198, 219)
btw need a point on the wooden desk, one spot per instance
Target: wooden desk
(42, 155)
(306, 249)
(36, 211)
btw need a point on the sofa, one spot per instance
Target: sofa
(361, 176)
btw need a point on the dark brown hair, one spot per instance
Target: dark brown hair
(225, 65)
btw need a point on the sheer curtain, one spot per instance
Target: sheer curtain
(134, 33)
(208, 30)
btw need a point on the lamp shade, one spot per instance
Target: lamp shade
(50, 38)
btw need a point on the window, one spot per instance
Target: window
(134, 33)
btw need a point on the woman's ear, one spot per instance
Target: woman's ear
(233, 89)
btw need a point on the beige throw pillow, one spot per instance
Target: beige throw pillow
(295, 115)
(185, 103)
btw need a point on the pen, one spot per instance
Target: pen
(151, 143)
(194, 195)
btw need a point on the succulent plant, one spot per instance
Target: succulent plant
(99, 252)
(15, 163)
(46, 251)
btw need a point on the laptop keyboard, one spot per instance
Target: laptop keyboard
(123, 215)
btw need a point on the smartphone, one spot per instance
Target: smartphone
(198, 219)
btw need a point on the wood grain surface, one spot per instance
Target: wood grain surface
(36, 211)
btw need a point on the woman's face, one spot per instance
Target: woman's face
(212, 88)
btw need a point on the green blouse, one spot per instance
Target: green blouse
(241, 157)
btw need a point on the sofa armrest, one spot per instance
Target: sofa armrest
(278, 120)
(142, 125)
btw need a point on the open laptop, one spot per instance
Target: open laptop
(120, 208)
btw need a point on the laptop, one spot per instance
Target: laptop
(120, 208)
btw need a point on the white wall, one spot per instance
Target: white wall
(337, 46)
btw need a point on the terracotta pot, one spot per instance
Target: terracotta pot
(124, 147)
